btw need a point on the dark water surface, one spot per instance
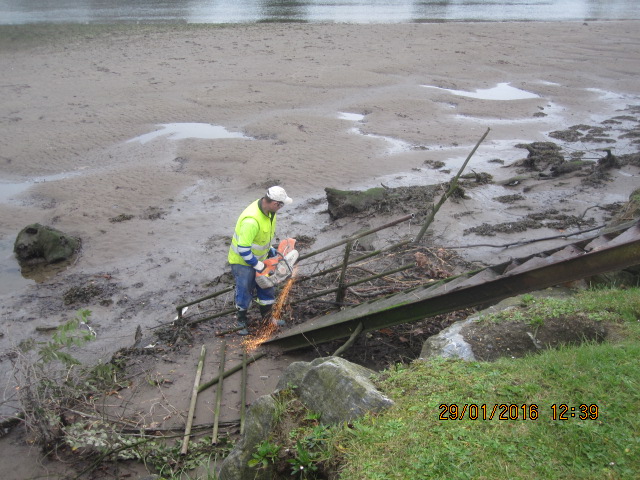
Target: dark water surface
(343, 11)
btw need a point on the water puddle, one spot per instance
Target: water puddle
(180, 131)
(395, 145)
(354, 117)
(11, 279)
(8, 190)
(502, 91)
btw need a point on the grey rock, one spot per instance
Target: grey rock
(340, 391)
(449, 343)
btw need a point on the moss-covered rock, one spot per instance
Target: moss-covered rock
(339, 390)
(39, 243)
(344, 203)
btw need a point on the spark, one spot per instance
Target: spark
(268, 328)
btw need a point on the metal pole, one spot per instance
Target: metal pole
(357, 282)
(208, 297)
(355, 237)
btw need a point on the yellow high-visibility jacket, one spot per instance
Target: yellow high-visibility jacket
(253, 236)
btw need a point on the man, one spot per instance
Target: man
(250, 246)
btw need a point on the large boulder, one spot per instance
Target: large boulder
(337, 389)
(38, 243)
(346, 203)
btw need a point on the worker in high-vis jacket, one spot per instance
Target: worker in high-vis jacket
(250, 246)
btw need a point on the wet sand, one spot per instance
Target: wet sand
(303, 106)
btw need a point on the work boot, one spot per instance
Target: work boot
(265, 313)
(241, 321)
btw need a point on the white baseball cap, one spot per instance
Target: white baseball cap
(278, 194)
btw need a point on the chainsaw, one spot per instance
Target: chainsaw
(280, 267)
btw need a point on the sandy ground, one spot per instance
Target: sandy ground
(303, 106)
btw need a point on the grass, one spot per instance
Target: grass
(427, 435)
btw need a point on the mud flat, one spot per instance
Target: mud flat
(148, 141)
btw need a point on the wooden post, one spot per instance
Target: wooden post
(192, 406)
(243, 390)
(342, 289)
(452, 188)
(216, 419)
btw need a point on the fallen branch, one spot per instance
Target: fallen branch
(231, 371)
(349, 342)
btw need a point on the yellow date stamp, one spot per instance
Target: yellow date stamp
(513, 411)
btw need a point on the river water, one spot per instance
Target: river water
(341, 11)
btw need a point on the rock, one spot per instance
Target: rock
(541, 155)
(344, 203)
(260, 419)
(337, 389)
(449, 343)
(38, 243)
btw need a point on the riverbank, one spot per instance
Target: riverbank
(304, 106)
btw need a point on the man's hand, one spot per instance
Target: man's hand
(268, 266)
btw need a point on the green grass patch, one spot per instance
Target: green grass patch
(566, 413)
(598, 304)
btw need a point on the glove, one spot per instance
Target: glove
(272, 253)
(259, 266)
